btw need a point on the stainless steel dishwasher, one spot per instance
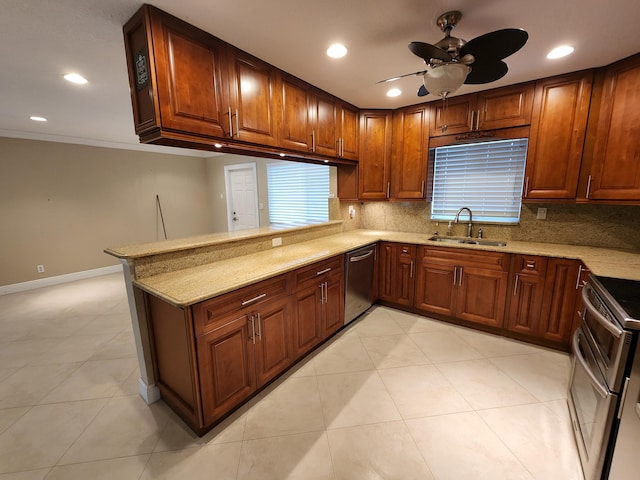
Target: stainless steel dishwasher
(358, 295)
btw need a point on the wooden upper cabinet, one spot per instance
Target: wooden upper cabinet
(493, 109)
(254, 99)
(324, 118)
(375, 155)
(348, 132)
(177, 75)
(296, 110)
(614, 172)
(410, 151)
(558, 126)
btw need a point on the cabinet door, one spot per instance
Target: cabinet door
(409, 157)
(504, 107)
(404, 278)
(375, 155)
(253, 99)
(274, 344)
(558, 306)
(525, 293)
(386, 271)
(324, 139)
(615, 167)
(226, 364)
(558, 127)
(349, 132)
(308, 326)
(481, 295)
(295, 131)
(435, 289)
(333, 304)
(452, 116)
(191, 76)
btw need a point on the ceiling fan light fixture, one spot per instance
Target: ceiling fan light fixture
(445, 79)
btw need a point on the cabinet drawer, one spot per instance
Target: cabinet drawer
(462, 256)
(528, 265)
(312, 272)
(206, 314)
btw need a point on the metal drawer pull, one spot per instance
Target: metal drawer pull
(254, 299)
(323, 271)
(531, 264)
(602, 320)
(361, 257)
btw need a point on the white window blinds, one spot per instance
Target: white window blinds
(487, 177)
(298, 193)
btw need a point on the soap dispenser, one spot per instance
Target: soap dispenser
(449, 227)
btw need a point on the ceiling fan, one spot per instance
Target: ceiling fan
(453, 61)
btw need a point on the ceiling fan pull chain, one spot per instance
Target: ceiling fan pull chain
(444, 115)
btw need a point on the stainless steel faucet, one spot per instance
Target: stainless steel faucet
(470, 224)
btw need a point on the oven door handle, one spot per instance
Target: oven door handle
(597, 385)
(602, 320)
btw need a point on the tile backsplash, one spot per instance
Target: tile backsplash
(612, 226)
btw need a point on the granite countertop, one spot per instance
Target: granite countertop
(192, 285)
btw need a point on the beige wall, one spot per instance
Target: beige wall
(62, 204)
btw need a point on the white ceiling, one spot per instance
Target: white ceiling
(42, 40)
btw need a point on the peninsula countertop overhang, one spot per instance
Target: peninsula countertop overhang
(192, 285)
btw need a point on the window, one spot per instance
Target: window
(486, 177)
(298, 193)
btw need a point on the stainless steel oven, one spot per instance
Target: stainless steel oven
(603, 345)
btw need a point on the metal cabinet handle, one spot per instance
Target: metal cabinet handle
(455, 275)
(237, 124)
(473, 115)
(259, 325)
(313, 140)
(411, 269)
(515, 285)
(526, 187)
(460, 278)
(230, 124)
(422, 188)
(253, 330)
(326, 292)
(579, 275)
(478, 120)
(254, 299)
(323, 271)
(388, 189)
(588, 187)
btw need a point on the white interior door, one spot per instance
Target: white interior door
(242, 196)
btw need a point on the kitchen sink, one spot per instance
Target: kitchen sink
(468, 241)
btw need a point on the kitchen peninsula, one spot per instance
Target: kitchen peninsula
(218, 317)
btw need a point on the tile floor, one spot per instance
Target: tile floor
(394, 396)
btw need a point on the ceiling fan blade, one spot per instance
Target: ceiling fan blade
(422, 91)
(486, 72)
(495, 45)
(402, 76)
(426, 51)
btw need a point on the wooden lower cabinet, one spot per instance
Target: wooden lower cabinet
(396, 273)
(525, 292)
(319, 304)
(464, 284)
(558, 307)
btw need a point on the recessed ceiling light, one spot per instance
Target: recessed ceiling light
(560, 52)
(217, 145)
(394, 92)
(75, 78)
(337, 50)
(38, 119)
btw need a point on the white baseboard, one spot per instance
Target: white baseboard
(150, 393)
(58, 279)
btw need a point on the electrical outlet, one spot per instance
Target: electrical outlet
(40, 268)
(542, 214)
(276, 242)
